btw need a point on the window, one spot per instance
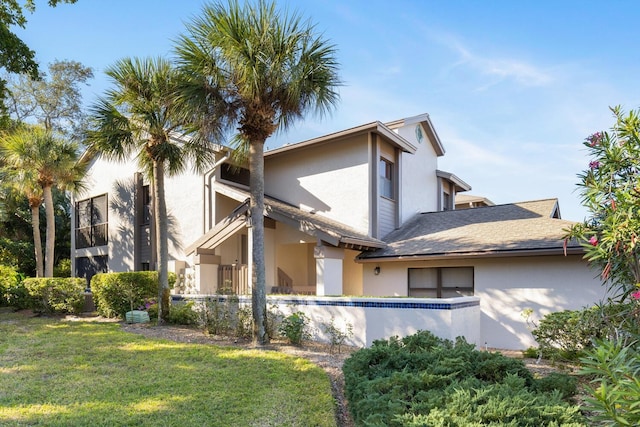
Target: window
(441, 282)
(91, 222)
(234, 174)
(386, 178)
(146, 205)
(87, 267)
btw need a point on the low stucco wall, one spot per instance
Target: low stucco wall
(379, 318)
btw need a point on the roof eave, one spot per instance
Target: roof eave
(476, 254)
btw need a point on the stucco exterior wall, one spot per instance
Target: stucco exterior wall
(332, 180)
(418, 181)
(184, 208)
(506, 287)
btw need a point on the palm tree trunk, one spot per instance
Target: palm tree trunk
(37, 240)
(162, 248)
(51, 232)
(258, 290)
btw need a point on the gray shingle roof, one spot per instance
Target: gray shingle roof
(491, 230)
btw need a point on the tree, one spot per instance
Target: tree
(15, 55)
(268, 69)
(138, 117)
(54, 100)
(610, 189)
(35, 162)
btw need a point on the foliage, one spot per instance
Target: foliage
(54, 100)
(564, 384)
(568, 334)
(63, 268)
(56, 295)
(183, 314)
(219, 314)
(337, 336)
(255, 69)
(425, 380)
(614, 370)
(36, 162)
(116, 293)
(294, 328)
(16, 56)
(114, 378)
(610, 189)
(9, 279)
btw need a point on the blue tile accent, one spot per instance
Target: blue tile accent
(364, 303)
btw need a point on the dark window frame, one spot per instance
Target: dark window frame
(386, 173)
(440, 287)
(92, 222)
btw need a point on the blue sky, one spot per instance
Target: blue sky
(512, 87)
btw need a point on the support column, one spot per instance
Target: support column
(328, 270)
(206, 273)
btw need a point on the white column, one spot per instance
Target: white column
(328, 270)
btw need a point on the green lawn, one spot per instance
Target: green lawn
(58, 373)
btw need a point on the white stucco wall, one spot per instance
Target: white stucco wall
(506, 287)
(184, 208)
(331, 179)
(419, 184)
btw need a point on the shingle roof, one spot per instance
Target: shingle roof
(326, 229)
(492, 230)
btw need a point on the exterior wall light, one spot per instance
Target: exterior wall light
(376, 270)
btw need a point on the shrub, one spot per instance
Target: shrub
(9, 279)
(182, 314)
(425, 380)
(568, 334)
(116, 293)
(564, 384)
(294, 327)
(56, 295)
(337, 336)
(219, 314)
(63, 268)
(614, 371)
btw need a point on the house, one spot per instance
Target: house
(364, 212)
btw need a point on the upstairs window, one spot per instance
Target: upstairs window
(386, 178)
(234, 174)
(146, 205)
(91, 222)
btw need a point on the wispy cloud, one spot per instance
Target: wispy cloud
(500, 69)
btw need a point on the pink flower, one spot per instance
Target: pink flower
(635, 295)
(595, 139)
(593, 240)
(594, 164)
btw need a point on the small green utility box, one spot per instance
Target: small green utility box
(137, 316)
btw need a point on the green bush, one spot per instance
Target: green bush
(56, 295)
(565, 384)
(294, 327)
(9, 279)
(424, 380)
(63, 268)
(116, 293)
(613, 368)
(568, 334)
(182, 314)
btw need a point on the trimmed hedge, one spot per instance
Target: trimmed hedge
(9, 280)
(116, 293)
(424, 380)
(56, 295)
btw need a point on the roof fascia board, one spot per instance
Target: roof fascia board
(462, 186)
(376, 127)
(475, 255)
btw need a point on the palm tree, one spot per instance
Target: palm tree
(137, 117)
(35, 162)
(269, 69)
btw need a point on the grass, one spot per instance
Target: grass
(58, 373)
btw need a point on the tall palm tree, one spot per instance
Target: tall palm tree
(269, 69)
(35, 162)
(137, 117)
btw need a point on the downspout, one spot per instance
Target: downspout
(207, 196)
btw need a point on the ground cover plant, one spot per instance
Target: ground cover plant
(422, 380)
(59, 373)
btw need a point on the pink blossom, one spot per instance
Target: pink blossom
(593, 240)
(594, 164)
(635, 295)
(595, 139)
